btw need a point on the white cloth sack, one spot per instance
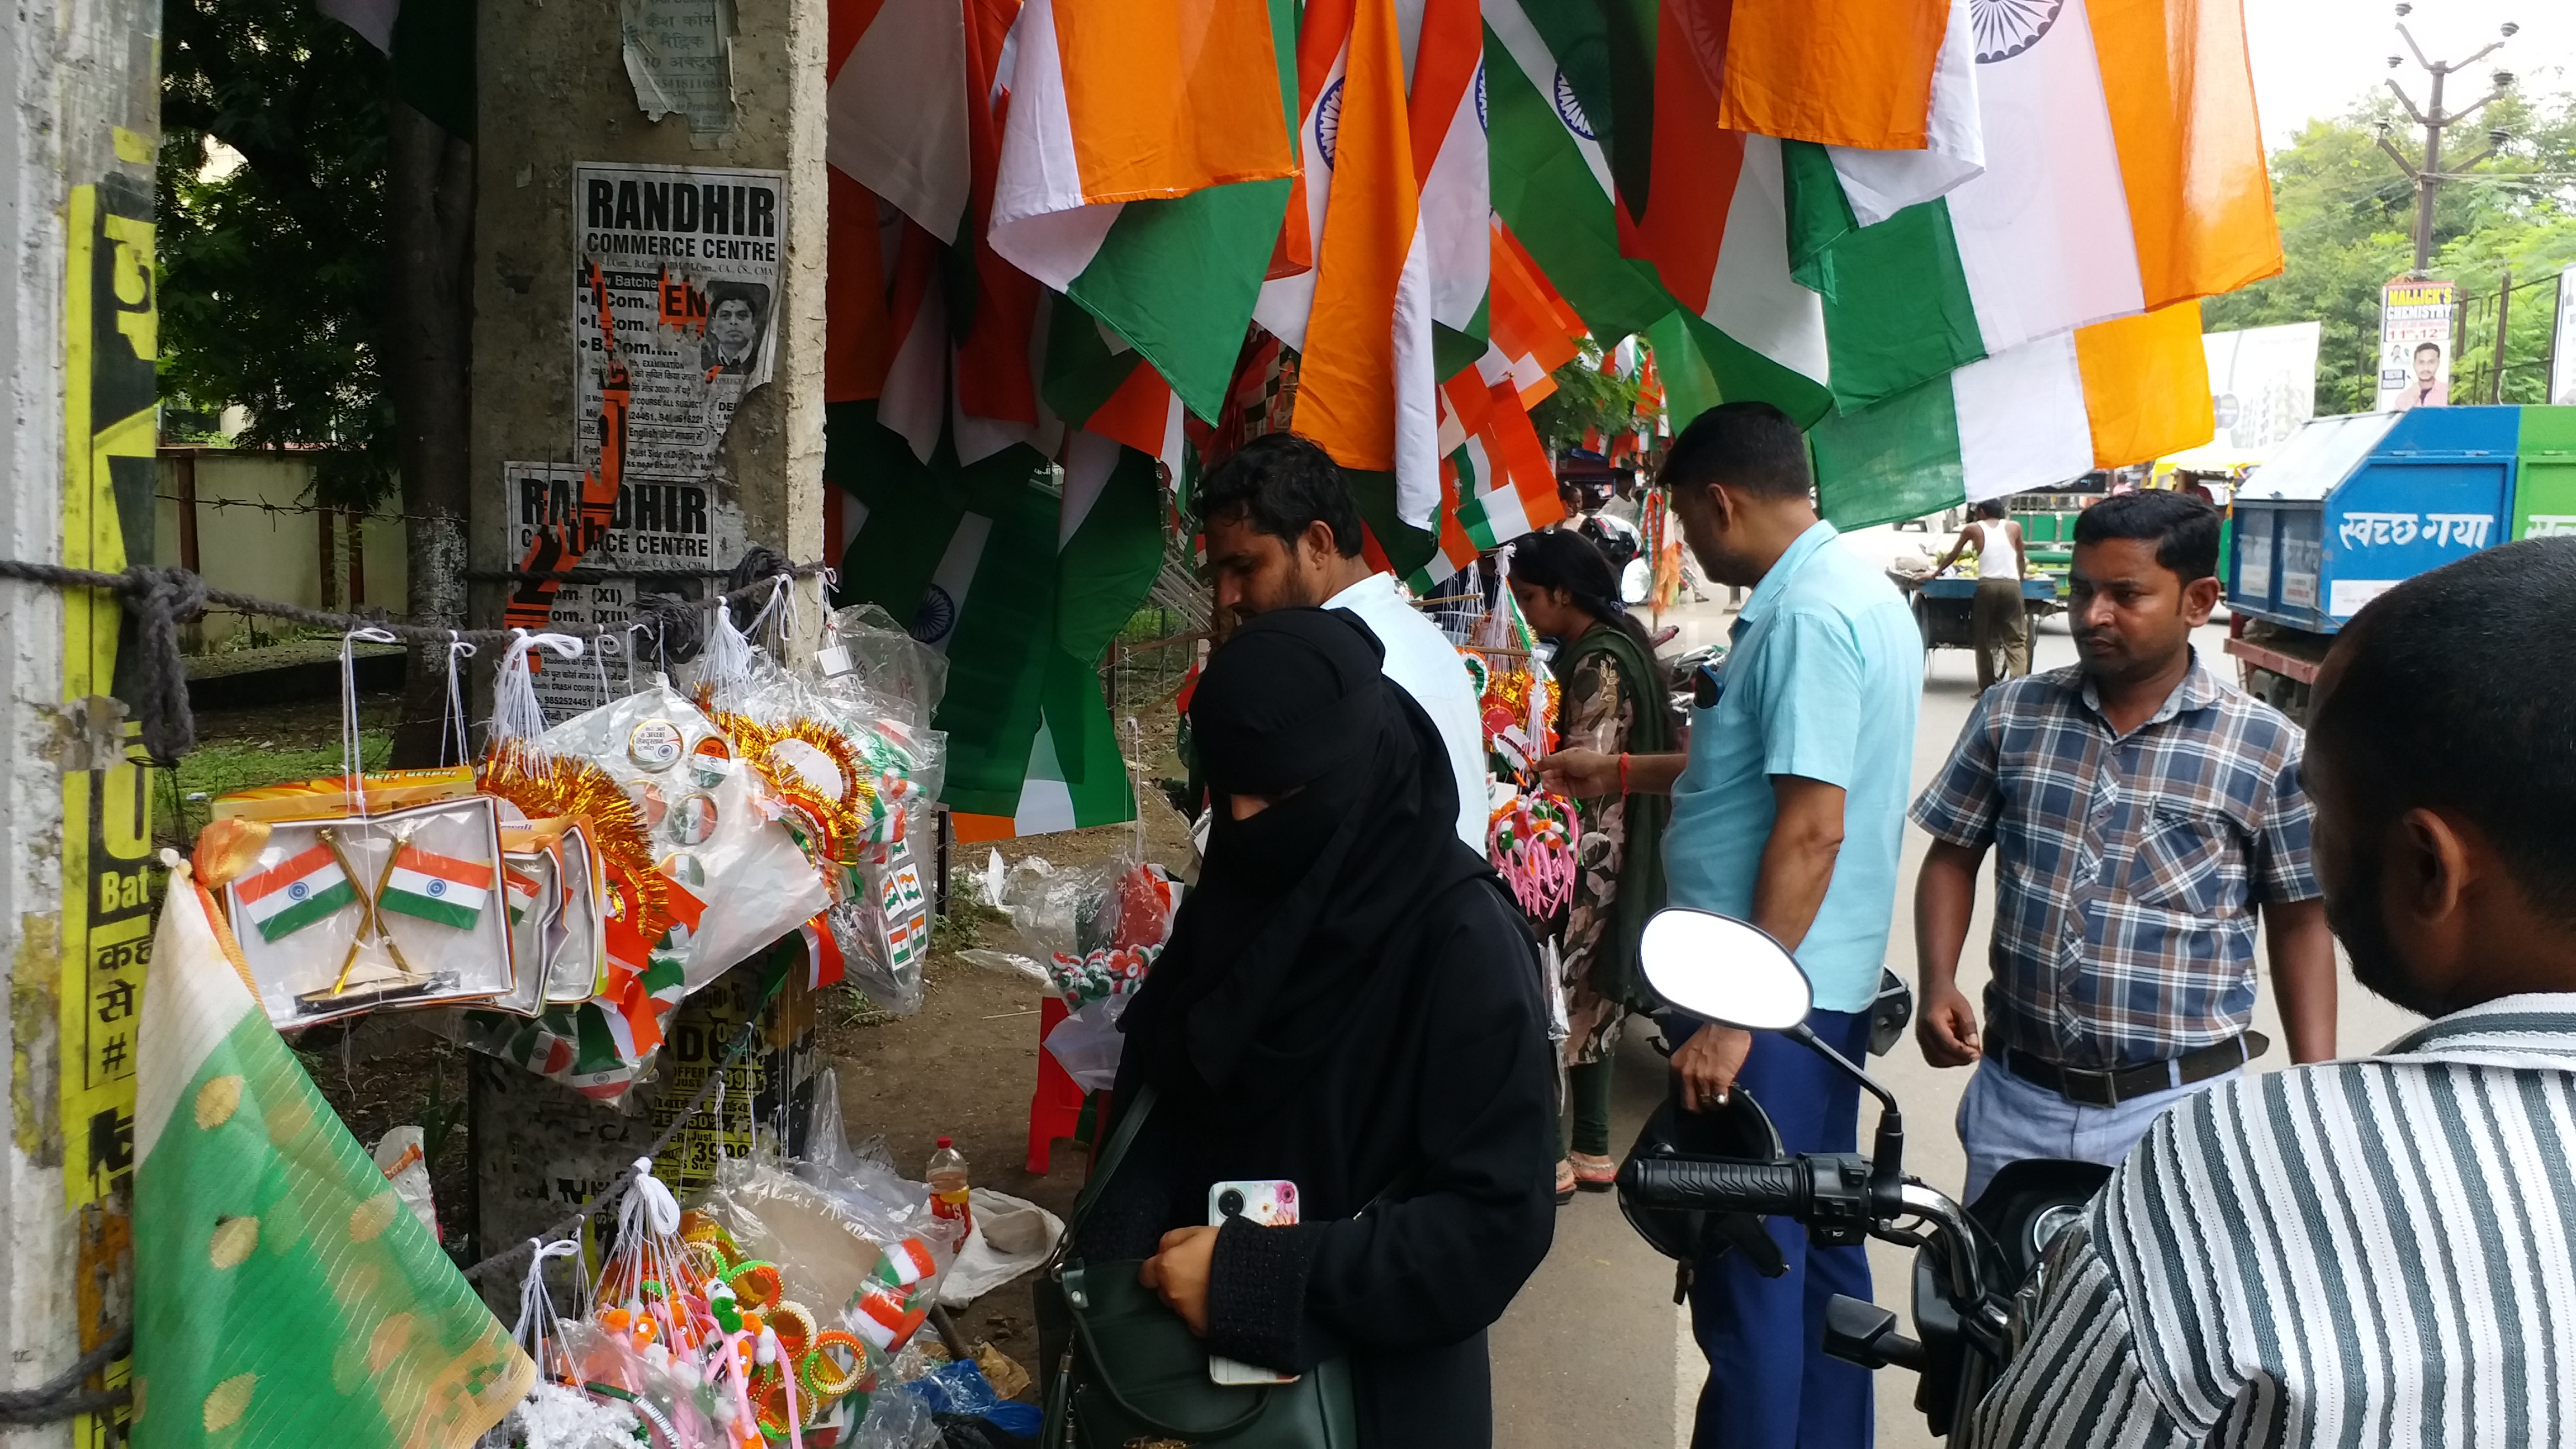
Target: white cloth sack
(1012, 1236)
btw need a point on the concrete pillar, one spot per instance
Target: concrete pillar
(554, 93)
(77, 337)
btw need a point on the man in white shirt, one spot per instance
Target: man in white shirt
(1283, 533)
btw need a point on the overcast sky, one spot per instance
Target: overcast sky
(2316, 57)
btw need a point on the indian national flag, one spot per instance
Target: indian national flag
(1534, 330)
(895, 107)
(1367, 373)
(2109, 188)
(436, 887)
(2113, 393)
(520, 889)
(282, 1293)
(1844, 72)
(1145, 165)
(1095, 381)
(296, 892)
(1021, 589)
(1706, 218)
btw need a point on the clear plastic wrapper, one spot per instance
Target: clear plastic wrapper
(337, 917)
(864, 647)
(715, 832)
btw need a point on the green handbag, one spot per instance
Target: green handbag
(1124, 1372)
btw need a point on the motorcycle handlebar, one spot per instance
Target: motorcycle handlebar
(1704, 1186)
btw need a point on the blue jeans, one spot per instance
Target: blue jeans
(2003, 1118)
(1770, 1385)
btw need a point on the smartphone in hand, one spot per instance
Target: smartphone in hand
(1270, 1203)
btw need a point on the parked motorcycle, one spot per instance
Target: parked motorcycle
(1971, 1266)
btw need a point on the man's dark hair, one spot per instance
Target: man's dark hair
(1992, 508)
(1747, 445)
(2183, 528)
(2434, 348)
(1281, 484)
(2452, 696)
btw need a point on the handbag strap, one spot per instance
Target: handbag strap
(1112, 1152)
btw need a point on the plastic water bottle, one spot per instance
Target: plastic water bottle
(948, 1200)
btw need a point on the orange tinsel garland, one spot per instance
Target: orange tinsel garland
(544, 786)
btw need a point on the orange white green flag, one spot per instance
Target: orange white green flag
(2123, 172)
(1145, 166)
(896, 103)
(1367, 374)
(282, 1293)
(2102, 396)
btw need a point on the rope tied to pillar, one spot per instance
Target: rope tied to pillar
(161, 599)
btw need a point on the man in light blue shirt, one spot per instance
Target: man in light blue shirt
(1788, 811)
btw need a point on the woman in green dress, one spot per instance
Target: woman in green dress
(1612, 700)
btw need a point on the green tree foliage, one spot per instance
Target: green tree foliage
(273, 290)
(1586, 398)
(2347, 216)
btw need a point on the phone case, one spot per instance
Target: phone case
(1272, 1203)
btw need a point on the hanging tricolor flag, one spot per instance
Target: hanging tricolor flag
(2109, 188)
(435, 887)
(296, 892)
(1534, 330)
(1554, 187)
(282, 1294)
(1021, 590)
(1145, 166)
(2110, 394)
(895, 106)
(1367, 373)
(823, 963)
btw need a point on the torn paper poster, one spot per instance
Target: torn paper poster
(679, 55)
(654, 525)
(676, 297)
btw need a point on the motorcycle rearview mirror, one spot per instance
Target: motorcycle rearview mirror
(1736, 974)
(1724, 970)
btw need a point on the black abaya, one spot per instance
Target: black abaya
(1350, 1003)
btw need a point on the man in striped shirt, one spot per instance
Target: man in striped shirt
(2379, 1251)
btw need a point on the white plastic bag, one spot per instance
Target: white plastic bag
(1087, 1044)
(1011, 1236)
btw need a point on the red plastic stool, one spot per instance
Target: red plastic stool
(1055, 1108)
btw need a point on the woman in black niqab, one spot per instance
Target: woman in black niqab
(1350, 1002)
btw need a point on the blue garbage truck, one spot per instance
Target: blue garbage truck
(2352, 506)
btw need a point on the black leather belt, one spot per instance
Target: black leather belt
(2110, 1089)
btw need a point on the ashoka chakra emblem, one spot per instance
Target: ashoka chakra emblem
(1483, 122)
(1570, 110)
(2006, 28)
(1328, 122)
(936, 615)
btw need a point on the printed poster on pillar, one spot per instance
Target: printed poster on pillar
(675, 301)
(657, 526)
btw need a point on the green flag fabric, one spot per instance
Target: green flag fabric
(1021, 582)
(282, 1293)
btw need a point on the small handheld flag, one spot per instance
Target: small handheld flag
(437, 888)
(295, 893)
(520, 889)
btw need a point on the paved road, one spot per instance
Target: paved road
(1593, 1352)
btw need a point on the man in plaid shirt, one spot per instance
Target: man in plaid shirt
(2143, 809)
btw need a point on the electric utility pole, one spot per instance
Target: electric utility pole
(2429, 175)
